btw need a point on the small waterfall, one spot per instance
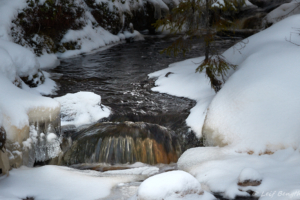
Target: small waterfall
(119, 143)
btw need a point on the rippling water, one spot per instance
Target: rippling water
(119, 75)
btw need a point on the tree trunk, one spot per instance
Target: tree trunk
(207, 36)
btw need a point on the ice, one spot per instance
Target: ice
(41, 146)
(81, 108)
(170, 186)
(53, 182)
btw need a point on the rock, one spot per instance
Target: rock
(249, 183)
(254, 22)
(169, 73)
(18, 82)
(4, 162)
(126, 142)
(35, 80)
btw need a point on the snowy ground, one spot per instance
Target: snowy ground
(53, 182)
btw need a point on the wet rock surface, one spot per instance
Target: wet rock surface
(126, 142)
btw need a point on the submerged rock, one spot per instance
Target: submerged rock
(126, 142)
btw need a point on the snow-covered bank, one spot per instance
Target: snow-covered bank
(260, 88)
(22, 106)
(257, 109)
(53, 182)
(255, 114)
(219, 170)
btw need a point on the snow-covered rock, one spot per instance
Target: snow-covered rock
(257, 109)
(170, 186)
(81, 108)
(249, 177)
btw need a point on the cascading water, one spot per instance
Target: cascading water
(126, 142)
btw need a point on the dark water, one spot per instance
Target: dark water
(119, 75)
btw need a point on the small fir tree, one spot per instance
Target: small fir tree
(202, 18)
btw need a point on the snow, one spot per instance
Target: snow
(147, 170)
(47, 88)
(283, 11)
(135, 35)
(219, 170)
(249, 174)
(253, 120)
(53, 182)
(7, 67)
(48, 61)
(17, 106)
(51, 137)
(170, 186)
(8, 11)
(257, 109)
(81, 108)
(88, 38)
(23, 59)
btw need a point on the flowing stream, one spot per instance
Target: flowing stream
(119, 75)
